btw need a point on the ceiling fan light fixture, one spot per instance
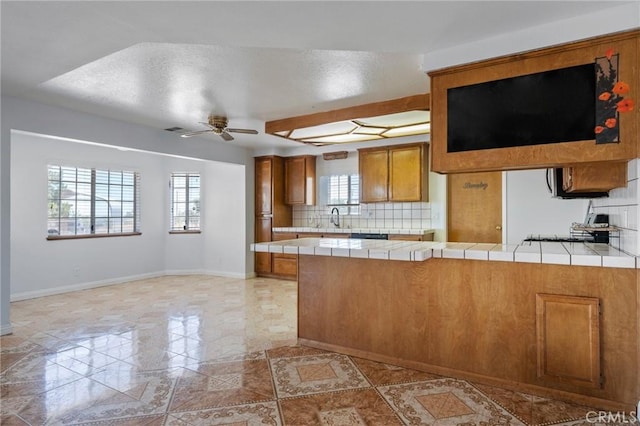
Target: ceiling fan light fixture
(218, 126)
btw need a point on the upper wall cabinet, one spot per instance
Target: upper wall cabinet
(300, 180)
(394, 173)
(561, 105)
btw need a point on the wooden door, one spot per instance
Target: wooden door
(374, 175)
(263, 233)
(474, 207)
(264, 173)
(407, 176)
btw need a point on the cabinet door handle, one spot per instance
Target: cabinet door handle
(498, 228)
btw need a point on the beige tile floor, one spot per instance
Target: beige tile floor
(202, 350)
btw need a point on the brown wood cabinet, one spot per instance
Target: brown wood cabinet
(626, 44)
(271, 211)
(394, 173)
(300, 180)
(593, 177)
(373, 165)
(411, 237)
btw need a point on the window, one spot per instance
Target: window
(185, 202)
(344, 192)
(85, 202)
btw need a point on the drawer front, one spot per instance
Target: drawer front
(285, 264)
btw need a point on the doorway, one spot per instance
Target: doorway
(474, 207)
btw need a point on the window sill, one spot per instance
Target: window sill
(186, 232)
(86, 236)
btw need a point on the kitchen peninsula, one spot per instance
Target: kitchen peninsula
(531, 317)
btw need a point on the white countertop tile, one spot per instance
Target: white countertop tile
(580, 254)
(291, 249)
(455, 250)
(555, 253)
(340, 252)
(379, 254)
(529, 252)
(479, 251)
(503, 252)
(612, 257)
(262, 247)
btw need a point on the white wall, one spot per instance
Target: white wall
(530, 208)
(611, 20)
(40, 267)
(25, 115)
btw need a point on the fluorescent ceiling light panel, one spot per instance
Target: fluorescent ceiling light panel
(349, 137)
(399, 119)
(340, 127)
(416, 129)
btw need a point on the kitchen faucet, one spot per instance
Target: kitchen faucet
(335, 220)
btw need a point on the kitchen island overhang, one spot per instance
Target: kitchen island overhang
(561, 330)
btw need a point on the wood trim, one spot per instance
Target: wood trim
(464, 375)
(88, 236)
(544, 155)
(408, 103)
(549, 50)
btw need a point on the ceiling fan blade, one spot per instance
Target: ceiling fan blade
(226, 136)
(247, 131)
(199, 132)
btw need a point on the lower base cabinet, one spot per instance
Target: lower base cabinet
(285, 265)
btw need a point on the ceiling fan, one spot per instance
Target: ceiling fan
(218, 126)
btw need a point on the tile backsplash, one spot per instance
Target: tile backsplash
(622, 208)
(415, 215)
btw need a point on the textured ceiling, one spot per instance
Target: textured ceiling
(172, 63)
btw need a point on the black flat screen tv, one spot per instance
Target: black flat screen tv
(541, 108)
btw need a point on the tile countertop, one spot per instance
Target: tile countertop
(578, 254)
(335, 230)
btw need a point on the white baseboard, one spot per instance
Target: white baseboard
(94, 284)
(5, 329)
(224, 274)
(231, 274)
(185, 272)
(82, 286)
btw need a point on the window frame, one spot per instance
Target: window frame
(92, 199)
(352, 206)
(186, 229)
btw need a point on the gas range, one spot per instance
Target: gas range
(558, 239)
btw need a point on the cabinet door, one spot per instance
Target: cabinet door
(406, 173)
(285, 265)
(263, 233)
(295, 180)
(568, 339)
(374, 175)
(594, 177)
(405, 237)
(264, 173)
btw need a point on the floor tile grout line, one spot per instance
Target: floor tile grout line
(472, 384)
